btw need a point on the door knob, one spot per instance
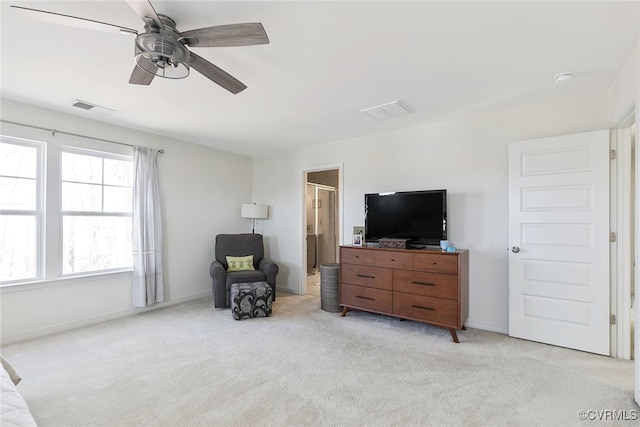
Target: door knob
(515, 249)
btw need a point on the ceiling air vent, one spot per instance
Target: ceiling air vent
(387, 111)
(87, 106)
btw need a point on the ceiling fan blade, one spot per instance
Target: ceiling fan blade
(227, 35)
(216, 74)
(140, 76)
(145, 11)
(72, 21)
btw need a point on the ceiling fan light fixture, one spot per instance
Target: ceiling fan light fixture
(162, 66)
(167, 57)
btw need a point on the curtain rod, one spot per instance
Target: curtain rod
(54, 131)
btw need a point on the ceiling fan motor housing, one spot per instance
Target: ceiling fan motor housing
(169, 56)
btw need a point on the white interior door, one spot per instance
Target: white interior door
(559, 241)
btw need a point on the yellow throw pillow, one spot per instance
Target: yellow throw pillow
(240, 263)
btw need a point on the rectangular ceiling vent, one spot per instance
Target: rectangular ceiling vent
(87, 106)
(387, 111)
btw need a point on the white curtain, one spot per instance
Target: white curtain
(147, 229)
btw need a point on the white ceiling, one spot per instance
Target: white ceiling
(326, 62)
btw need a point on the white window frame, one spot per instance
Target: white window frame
(39, 212)
(103, 155)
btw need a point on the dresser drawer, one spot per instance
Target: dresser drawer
(428, 309)
(357, 256)
(391, 259)
(428, 284)
(364, 275)
(436, 262)
(365, 298)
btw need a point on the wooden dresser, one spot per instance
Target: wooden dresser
(418, 284)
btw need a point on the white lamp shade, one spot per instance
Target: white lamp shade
(254, 211)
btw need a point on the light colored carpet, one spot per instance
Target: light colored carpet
(193, 365)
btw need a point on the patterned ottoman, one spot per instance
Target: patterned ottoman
(251, 300)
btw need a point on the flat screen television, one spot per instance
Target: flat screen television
(420, 216)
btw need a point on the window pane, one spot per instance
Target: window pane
(18, 247)
(95, 243)
(81, 168)
(18, 160)
(118, 172)
(17, 194)
(81, 197)
(118, 199)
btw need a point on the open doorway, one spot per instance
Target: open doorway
(322, 224)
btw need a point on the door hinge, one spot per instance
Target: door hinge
(613, 154)
(613, 237)
(613, 319)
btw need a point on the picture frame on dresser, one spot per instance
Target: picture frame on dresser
(357, 240)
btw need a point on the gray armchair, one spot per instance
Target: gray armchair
(239, 245)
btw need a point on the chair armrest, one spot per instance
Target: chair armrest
(217, 271)
(218, 274)
(268, 267)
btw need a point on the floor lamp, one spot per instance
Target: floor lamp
(254, 212)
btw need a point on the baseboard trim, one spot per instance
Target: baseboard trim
(487, 327)
(63, 327)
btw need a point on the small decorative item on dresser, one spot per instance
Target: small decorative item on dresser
(357, 240)
(394, 243)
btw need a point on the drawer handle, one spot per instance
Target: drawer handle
(422, 283)
(365, 276)
(367, 298)
(423, 308)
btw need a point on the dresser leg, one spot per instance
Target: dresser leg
(454, 335)
(344, 311)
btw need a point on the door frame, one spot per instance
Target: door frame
(622, 223)
(302, 281)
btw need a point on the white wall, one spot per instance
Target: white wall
(468, 157)
(202, 190)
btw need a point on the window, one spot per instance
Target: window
(96, 201)
(20, 210)
(83, 196)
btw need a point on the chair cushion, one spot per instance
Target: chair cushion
(240, 263)
(244, 277)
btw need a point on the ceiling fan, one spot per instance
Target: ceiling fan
(161, 50)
